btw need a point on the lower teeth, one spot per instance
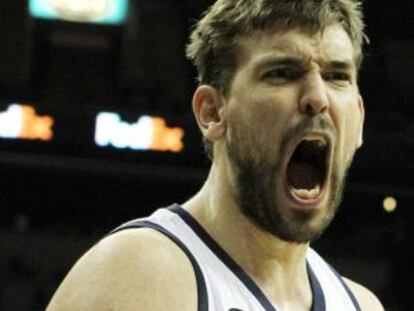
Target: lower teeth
(307, 193)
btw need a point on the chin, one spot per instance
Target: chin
(302, 229)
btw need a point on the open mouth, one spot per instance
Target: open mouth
(307, 169)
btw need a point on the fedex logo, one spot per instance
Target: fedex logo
(21, 121)
(148, 133)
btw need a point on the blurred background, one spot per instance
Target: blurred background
(96, 129)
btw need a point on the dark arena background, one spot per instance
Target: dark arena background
(96, 128)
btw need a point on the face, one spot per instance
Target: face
(294, 120)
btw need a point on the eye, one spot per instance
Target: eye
(282, 74)
(338, 77)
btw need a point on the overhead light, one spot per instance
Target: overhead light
(389, 204)
(87, 11)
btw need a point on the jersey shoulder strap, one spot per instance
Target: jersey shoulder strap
(333, 286)
(147, 223)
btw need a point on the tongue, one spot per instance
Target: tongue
(302, 175)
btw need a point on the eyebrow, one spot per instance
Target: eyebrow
(342, 65)
(301, 63)
(280, 61)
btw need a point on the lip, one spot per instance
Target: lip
(314, 203)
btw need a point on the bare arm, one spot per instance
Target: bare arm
(132, 270)
(366, 299)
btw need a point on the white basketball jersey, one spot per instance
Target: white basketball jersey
(222, 284)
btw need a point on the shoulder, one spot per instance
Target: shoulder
(135, 269)
(366, 299)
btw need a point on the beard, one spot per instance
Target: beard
(256, 179)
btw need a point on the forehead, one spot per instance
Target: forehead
(330, 45)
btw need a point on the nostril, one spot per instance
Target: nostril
(313, 109)
(309, 110)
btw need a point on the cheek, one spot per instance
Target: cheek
(263, 125)
(247, 134)
(348, 122)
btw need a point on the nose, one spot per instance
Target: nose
(314, 99)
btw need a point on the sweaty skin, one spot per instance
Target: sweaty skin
(258, 121)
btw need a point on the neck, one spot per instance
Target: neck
(275, 265)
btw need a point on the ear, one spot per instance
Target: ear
(209, 111)
(361, 122)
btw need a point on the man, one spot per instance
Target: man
(279, 108)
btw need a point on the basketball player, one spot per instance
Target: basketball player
(281, 115)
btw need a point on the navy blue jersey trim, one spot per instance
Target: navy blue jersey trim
(349, 292)
(201, 284)
(318, 297)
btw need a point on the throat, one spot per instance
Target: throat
(287, 289)
(303, 175)
(306, 170)
(304, 180)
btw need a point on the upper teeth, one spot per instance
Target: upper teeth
(319, 142)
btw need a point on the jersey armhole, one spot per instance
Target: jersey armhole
(202, 299)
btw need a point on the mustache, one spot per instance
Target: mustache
(320, 123)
